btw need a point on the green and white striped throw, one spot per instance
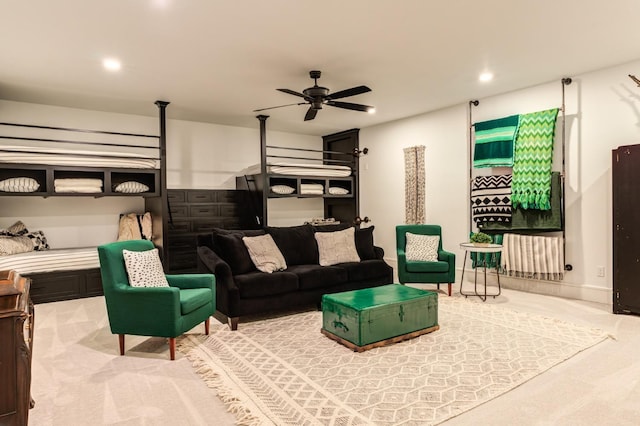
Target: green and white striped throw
(494, 142)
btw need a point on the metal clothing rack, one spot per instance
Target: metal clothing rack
(474, 103)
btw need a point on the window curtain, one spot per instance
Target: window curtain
(414, 184)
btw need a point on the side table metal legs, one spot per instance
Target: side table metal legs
(483, 297)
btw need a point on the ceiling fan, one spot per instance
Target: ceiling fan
(317, 96)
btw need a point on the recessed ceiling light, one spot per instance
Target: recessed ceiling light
(371, 110)
(485, 76)
(111, 64)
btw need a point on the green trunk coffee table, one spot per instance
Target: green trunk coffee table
(378, 316)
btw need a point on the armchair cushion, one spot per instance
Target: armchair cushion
(194, 298)
(417, 266)
(422, 247)
(144, 268)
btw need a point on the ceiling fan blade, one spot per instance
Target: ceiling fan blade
(293, 92)
(279, 106)
(311, 114)
(348, 105)
(349, 92)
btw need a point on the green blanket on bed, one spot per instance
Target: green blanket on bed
(533, 155)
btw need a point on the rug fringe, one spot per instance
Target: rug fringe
(212, 379)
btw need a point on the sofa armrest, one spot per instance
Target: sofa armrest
(210, 262)
(379, 251)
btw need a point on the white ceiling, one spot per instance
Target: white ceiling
(216, 61)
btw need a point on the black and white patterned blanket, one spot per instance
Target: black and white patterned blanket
(491, 198)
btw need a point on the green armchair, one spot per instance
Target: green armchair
(153, 311)
(441, 271)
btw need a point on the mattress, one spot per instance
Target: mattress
(302, 169)
(51, 260)
(50, 156)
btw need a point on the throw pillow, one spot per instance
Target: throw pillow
(265, 253)
(15, 245)
(296, 243)
(19, 184)
(337, 247)
(422, 247)
(144, 268)
(282, 189)
(38, 240)
(131, 187)
(364, 243)
(232, 250)
(15, 230)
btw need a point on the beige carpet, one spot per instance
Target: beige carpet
(283, 371)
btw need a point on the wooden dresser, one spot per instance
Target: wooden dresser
(16, 342)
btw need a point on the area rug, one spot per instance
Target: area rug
(283, 371)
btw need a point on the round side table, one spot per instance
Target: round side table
(494, 250)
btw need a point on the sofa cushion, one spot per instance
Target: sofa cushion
(417, 266)
(194, 298)
(315, 276)
(331, 227)
(364, 243)
(297, 244)
(258, 284)
(265, 253)
(366, 269)
(232, 250)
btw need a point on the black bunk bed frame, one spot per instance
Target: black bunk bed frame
(72, 284)
(339, 149)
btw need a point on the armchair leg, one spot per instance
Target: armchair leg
(450, 289)
(121, 342)
(233, 322)
(172, 348)
(438, 286)
(206, 325)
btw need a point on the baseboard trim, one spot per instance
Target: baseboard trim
(562, 289)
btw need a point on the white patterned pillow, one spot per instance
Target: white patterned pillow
(422, 247)
(336, 190)
(19, 184)
(282, 189)
(15, 245)
(131, 187)
(264, 253)
(144, 268)
(337, 247)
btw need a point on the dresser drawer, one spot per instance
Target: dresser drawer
(176, 196)
(207, 225)
(180, 226)
(182, 242)
(201, 196)
(179, 211)
(228, 210)
(208, 210)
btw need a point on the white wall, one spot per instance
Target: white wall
(603, 112)
(199, 156)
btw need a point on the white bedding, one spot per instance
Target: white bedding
(51, 156)
(51, 260)
(302, 169)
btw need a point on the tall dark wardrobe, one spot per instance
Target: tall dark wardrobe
(626, 229)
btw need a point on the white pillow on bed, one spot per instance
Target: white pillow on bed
(131, 187)
(15, 245)
(282, 189)
(19, 184)
(144, 268)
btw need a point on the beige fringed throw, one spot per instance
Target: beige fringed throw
(414, 184)
(531, 256)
